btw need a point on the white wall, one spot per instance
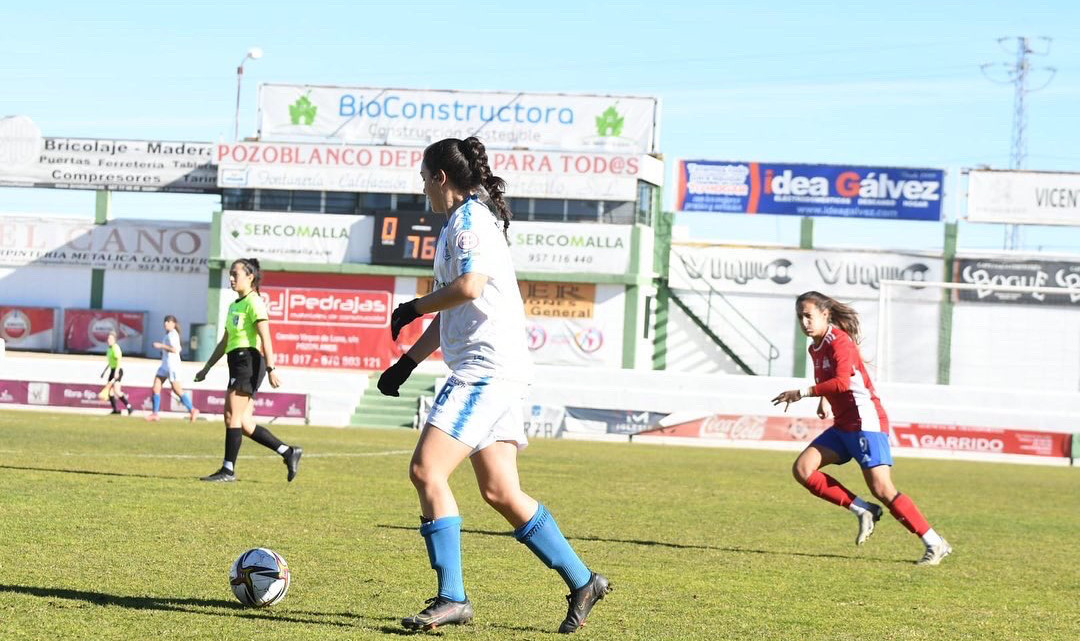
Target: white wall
(42, 286)
(1016, 346)
(158, 294)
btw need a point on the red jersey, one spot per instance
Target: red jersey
(840, 376)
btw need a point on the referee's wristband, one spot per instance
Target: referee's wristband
(269, 369)
(808, 392)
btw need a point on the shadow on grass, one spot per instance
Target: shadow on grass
(97, 473)
(90, 472)
(189, 606)
(687, 546)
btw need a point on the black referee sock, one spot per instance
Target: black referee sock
(234, 437)
(124, 400)
(264, 437)
(112, 401)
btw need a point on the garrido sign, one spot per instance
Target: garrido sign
(503, 120)
(790, 272)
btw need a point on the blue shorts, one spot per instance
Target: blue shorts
(870, 449)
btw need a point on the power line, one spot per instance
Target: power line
(1017, 74)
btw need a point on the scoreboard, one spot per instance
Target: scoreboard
(406, 238)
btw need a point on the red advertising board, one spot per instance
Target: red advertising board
(28, 327)
(985, 440)
(274, 404)
(86, 330)
(949, 438)
(745, 427)
(333, 320)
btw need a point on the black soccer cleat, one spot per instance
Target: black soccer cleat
(581, 602)
(221, 476)
(440, 611)
(116, 412)
(292, 461)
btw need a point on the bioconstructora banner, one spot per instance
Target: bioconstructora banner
(132, 245)
(847, 191)
(29, 160)
(418, 117)
(1024, 197)
(790, 272)
(382, 169)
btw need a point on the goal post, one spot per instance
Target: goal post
(990, 343)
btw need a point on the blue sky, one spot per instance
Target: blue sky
(893, 83)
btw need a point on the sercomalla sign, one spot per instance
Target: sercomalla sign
(535, 174)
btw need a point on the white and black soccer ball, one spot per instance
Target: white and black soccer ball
(259, 578)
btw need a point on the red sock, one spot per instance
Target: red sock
(904, 510)
(828, 488)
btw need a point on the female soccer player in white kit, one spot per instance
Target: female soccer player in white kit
(480, 327)
(169, 370)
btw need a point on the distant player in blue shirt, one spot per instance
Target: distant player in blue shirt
(480, 328)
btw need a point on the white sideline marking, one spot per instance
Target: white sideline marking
(218, 456)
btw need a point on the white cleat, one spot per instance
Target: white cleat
(866, 523)
(935, 553)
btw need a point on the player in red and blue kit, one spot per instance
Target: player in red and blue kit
(860, 428)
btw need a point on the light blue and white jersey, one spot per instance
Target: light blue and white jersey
(171, 360)
(483, 338)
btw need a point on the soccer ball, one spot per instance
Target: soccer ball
(259, 578)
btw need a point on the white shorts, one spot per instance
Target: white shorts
(481, 413)
(166, 373)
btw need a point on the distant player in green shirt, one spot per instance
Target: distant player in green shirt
(247, 327)
(112, 389)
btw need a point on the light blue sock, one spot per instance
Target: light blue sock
(443, 539)
(542, 535)
(186, 400)
(157, 403)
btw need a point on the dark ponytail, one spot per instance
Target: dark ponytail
(251, 266)
(466, 165)
(843, 316)
(176, 323)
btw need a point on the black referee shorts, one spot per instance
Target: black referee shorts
(116, 374)
(246, 370)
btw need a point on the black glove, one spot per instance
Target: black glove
(402, 316)
(395, 375)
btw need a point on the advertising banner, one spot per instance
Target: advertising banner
(131, 245)
(561, 324)
(272, 404)
(382, 169)
(985, 440)
(334, 321)
(13, 393)
(327, 239)
(28, 327)
(416, 117)
(86, 330)
(746, 427)
(27, 159)
(543, 421)
(1023, 197)
(790, 272)
(1020, 273)
(582, 247)
(581, 420)
(848, 191)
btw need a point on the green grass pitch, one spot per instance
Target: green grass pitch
(105, 533)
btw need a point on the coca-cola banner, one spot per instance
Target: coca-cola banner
(28, 327)
(131, 245)
(1019, 273)
(746, 427)
(985, 440)
(782, 271)
(87, 330)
